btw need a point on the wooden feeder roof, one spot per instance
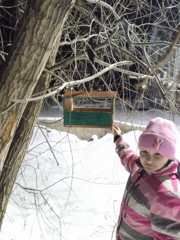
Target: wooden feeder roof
(100, 94)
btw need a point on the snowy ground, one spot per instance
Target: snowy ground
(72, 193)
(69, 188)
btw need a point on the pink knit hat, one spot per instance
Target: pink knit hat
(159, 137)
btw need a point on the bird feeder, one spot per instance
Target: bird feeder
(89, 109)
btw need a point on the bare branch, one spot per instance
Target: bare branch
(124, 71)
(106, 5)
(70, 84)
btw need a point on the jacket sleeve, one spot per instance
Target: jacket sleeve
(165, 216)
(127, 156)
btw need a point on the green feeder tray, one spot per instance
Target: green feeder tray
(89, 109)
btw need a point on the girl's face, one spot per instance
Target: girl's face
(152, 162)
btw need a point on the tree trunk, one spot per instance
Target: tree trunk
(17, 152)
(21, 140)
(41, 27)
(38, 38)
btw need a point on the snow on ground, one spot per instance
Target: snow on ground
(67, 189)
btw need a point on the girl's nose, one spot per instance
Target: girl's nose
(149, 159)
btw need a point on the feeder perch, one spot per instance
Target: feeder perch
(89, 109)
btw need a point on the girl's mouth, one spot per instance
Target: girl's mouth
(148, 166)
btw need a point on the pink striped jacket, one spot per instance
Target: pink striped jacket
(150, 209)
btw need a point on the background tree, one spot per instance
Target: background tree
(143, 36)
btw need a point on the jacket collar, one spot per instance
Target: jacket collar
(169, 169)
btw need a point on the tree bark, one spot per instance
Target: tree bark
(41, 27)
(21, 140)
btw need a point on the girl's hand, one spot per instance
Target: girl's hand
(116, 130)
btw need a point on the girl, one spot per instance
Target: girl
(150, 208)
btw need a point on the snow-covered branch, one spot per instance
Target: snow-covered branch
(71, 83)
